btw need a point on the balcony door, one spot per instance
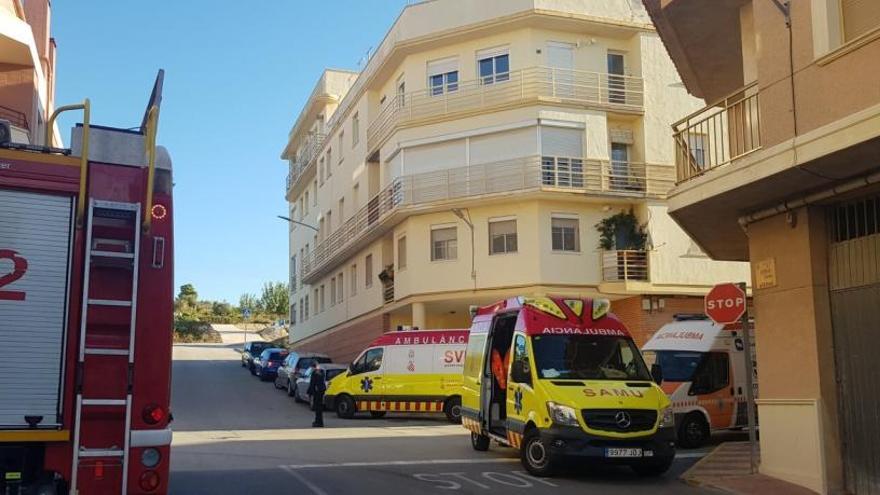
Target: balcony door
(560, 60)
(619, 179)
(616, 79)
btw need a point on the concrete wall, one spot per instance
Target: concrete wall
(797, 406)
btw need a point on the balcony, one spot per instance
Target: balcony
(717, 135)
(526, 86)
(310, 149)
(14, 117)
(527, 174)
(625, 266)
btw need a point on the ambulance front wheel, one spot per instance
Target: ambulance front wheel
(535, 454)
(479, 442)
(452, 409)
(693, 431)
(345, 407)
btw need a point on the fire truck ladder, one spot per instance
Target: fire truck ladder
(113, 253)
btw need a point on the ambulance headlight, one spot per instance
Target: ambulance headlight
(667, 418)
(562, 415)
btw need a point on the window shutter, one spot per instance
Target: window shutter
(561, 141)
(443, 66)
(622, 136)
(446, 234)
(502, 228)
(859, 17)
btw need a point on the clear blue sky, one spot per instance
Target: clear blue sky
(237, 74)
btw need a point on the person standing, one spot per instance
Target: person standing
(317, 387)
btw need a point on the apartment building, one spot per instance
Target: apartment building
(27, 69)
(475, 158)
(781, 168)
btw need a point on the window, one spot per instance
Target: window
(329, 223)
(306, 308)
(493, 66)
(323, 306)
(355, 191)
(329, 169)
(316, 299)
(562, 172)
(401, 253)
(565, 234)
(340, 288)
(355, 129)
(333, 291)
(341, 211)
(616, 79)
(443, 76)
(368, 271)
(444, 243)
(341, 141)
(306, 204)
(303, 316)
(401, 92)
(712, 374)
(303, 208)
(315, 196)
(697, 146)
(368, 362)
(502, 236)
(293, 314)
(354, 279)
(521, 358)
(620, 173)
(859, 17)
(293, 272)
(321, 170)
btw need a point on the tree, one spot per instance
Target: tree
(187, 297)
(275, 298)
(223, 308)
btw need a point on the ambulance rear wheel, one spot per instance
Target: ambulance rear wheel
(479, 442)
(345, 407)
(377, 414)
(535, 454)
(452, 409)
(693, 431)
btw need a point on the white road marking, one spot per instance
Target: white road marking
(189, 438)
(316, 490)
(690, 455)
(426, 462)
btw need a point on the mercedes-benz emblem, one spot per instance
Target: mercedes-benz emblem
(623, 420)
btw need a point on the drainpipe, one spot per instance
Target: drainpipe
(787, 206)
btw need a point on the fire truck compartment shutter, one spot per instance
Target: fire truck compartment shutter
(35, 231)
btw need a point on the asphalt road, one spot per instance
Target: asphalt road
(236, 435)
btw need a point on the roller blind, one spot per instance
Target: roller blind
(442, 66)
(859, 17)
(503, 146)
(562, 141)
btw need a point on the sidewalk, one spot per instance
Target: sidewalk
(727, 469)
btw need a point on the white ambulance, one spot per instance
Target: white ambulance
(704, 375)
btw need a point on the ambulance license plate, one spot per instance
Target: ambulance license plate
(623, 452)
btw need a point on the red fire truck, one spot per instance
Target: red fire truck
(86, 288)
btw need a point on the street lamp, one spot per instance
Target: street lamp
(298, 223)
(465, 217)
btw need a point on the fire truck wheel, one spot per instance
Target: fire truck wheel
(480, 443)
(452, 409)
(345, 407)
(693, 431)
(377, 414)
(535, 454)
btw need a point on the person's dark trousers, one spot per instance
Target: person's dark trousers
(318, 405)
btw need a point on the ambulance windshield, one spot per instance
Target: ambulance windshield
(678, 366)
(588, 357)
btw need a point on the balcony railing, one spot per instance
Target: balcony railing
(16, 118)
(585, 176)
(718, 134)
(622, 266)
(307, 154)
(517, 87)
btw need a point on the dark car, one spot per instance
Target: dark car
(266, 367)
(331, 371)
(251, 353)
(294, 366)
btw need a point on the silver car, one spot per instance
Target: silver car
(331, 371)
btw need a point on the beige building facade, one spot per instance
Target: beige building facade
(473, 159)
(27, 69)
(781, 168)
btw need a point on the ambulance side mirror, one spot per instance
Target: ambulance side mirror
(657, 373)
(520, 372)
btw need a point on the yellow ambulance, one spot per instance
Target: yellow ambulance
(562, 378)
(408, 371)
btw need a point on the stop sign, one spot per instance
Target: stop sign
(725, 303)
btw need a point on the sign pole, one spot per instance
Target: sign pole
(750, 391)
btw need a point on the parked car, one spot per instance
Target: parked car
(266, 367)
(251, 352)
(331, 371)
(294, 366)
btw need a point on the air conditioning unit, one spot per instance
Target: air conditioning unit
(5, 132)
